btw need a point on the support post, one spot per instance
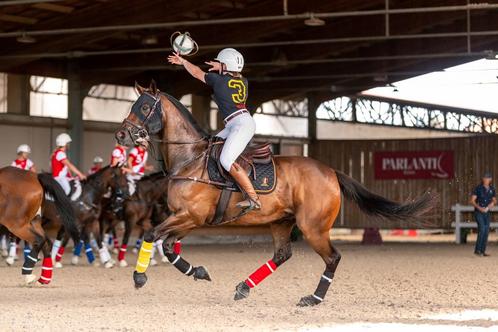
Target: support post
(18, 89)
(313, 103)
(201, 110)
(76, 94)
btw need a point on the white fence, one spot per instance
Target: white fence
(458, 224)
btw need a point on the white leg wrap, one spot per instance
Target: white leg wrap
(55, 248)
(12, 249)
(104, 255)
(159, 244)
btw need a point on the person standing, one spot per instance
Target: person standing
(483, 199)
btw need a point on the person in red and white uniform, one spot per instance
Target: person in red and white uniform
(23, 161)
(61, 166)
(97, 165)
(137, 163)
(118, 156)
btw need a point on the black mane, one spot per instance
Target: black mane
(187, 115)
(153, 176)
(95, 176)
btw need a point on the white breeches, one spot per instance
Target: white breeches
(132, 178)
(64, 182)
(238, 133)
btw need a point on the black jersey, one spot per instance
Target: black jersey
(230, 93)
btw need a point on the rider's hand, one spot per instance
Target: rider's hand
(82, 176)
(175, 59)
(215, 65)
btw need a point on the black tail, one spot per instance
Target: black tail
(379, 206)
(62, 203)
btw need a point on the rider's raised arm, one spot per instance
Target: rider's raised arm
(194, 70)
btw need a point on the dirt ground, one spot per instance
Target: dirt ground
(406, 284)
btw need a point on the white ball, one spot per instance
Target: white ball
(183, 44)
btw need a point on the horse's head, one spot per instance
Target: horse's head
(145, 118)
(110, 177)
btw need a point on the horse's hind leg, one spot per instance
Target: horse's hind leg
(281, 232)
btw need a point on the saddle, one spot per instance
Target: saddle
(256, 160)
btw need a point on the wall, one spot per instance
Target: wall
(473, 155)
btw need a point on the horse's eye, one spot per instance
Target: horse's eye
(145, 109)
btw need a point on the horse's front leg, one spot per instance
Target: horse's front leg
(174, 227)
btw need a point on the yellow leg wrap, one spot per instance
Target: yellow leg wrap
(144, 257)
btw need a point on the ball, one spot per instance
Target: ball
(183, 44)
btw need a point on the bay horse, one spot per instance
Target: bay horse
(87, 209)
(22, 195)
(139, 209)
(307, 194)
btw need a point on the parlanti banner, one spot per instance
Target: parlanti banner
(414, 165)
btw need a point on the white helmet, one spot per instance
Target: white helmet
(24, 148)
(62, 139)
(233, 60)
(98, 159)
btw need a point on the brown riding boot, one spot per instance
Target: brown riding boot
(239, 175)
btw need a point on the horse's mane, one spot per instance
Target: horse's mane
(153, 176)
(95, 177)
(187, 115)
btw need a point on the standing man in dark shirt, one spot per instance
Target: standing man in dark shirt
(230, 94)
(483, 198)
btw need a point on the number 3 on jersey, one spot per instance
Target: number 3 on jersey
(241, 95)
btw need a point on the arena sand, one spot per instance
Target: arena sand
(403, 284)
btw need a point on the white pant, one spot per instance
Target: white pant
(64, 182)
(132, 178)
(238, 133)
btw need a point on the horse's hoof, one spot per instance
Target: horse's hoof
(153, 262)
(9, 260)
(140, 279)
(29, 279)
(241, 291)
(5, 253)
(115, 251)
(58, 265)
(109, 264)
(308, 301)
(200, 273)
(164, 259)
(75, 260)
(123, 263)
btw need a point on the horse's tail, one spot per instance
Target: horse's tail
(62, 203)
(378, 206)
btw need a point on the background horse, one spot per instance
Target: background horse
(307, 194)
(22, 194)
(141, 209)
(87, 209)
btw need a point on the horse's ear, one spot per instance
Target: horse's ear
(153, 87)
(140, 90)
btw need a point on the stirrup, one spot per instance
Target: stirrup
(248, 204)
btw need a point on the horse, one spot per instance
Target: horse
(22, 195)
(141, 209)
(87, 209)
(307, 194)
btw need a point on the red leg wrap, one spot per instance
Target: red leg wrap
(122, 252)
(60, 252)
(261, 273)
(46, 272)
(116, 243)
(177, 247)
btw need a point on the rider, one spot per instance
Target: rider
(61, 166)
(22, 161)
(137, 163)
(97, 165)
(118, 156)
(230, 94)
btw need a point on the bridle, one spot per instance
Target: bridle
(141, 134)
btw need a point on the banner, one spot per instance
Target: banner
(414, 165)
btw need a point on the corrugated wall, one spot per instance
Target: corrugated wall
(473, 155)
